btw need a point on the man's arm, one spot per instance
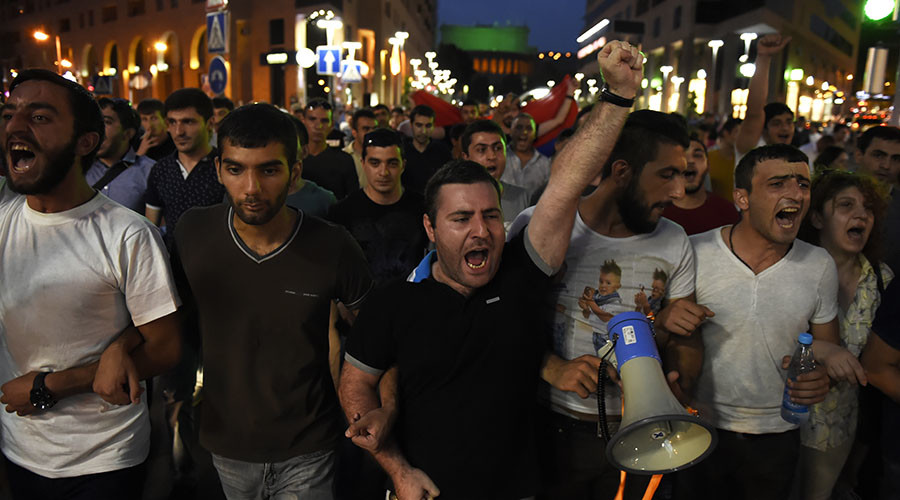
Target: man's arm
(575, 167)
(758, 93)
(152, 214)
(840, 364)
(561, 113)
(683, 351)
(882, 365)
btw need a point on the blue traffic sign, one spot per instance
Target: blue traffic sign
(328, 59)
(218, 75)
(351, 71)
(217, 32)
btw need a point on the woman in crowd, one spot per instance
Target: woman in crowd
(833, 157)
(845, 215)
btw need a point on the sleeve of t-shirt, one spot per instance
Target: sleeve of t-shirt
(826, 301)
(147, 280)
(681, 284)
(887, 319)
(350, 178)
(520, 250)
(152, 198)
(354, 279)
(372, 345)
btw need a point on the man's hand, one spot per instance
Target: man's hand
(413, 484)
(682, 317)
(621, 65)
(117, 380)
(809, 388)
(840, 364)
(370, 431)
(677, 391)
(771, 44)
(17, 395)
(578, 375)
(148, 142)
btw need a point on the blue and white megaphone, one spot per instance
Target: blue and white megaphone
(657, 434)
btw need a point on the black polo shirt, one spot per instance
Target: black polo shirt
(468, 374)
(334, 170)
(169, 191)
(421, 166)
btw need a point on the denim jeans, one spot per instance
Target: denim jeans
(310, 477)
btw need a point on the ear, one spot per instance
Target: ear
(429, 228)
(465, 155)
(817, 220)
(741, 198)
(219, 170)
(130, 133)
(621, 173)
(86, 143)
(296, 181)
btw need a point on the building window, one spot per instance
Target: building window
(64, 25)
(642, 6)
(276, 31)
(108, 14)
(676, 22)
(136, 8)
(656, 28)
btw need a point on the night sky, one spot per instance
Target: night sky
(554, 24)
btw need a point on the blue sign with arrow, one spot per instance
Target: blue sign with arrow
(328, 60)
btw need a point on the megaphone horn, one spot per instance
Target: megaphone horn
(657, 434)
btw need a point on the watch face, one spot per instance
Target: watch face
(41, 399)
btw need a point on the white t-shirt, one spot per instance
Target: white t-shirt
(72, 281)
(666, 253)
(758, 318)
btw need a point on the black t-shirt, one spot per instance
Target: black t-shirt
(334, 170)
(421, 166)
(268, 394)
(391, 236)
(468, 374)
(887, 326)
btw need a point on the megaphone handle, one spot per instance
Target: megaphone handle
(602, 424)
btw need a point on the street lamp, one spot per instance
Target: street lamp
(747, 38)
(43, 37)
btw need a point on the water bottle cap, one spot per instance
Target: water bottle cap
(805, 338)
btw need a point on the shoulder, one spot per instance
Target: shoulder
(199, 220)
(120, 219)
(413, 200)
(670, 230)
(808, 254)
(706, 241)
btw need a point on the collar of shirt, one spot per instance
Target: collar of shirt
(184, 171)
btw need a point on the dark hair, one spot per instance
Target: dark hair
(566, 134)
(826, 185)
(470, 102)
(455, 172)
(890, 134)
(223, 102)
(318, 102)
(421, 109)
(478, 126)
(457, 130)
(774, 109)
(302, 135)
(398, 109)
(696, 138)
(258, 125)
(382, 138)
(85, 111)
(643, 133)
(838, 126)
(381, 106)
(743, 173)
(828, 156)
(128, 117)
(150, 106)
(361, 113)
(730, 124)
(190, 98)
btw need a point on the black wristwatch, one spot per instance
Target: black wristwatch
(41, 398)
(615, 100)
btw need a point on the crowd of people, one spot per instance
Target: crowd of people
(320, 310)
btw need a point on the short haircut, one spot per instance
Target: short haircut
(743, 173)
(258, 125)
(128, 117)
(526, 115)
(610, 267)
(890, 134)
(382, 138)
(361, 113)
(659, 274)
(302, 135)
(380, 107)
(455, 172)
(478, 126)
(696, 138)
(223, 102)
(398, 110)
(150, 106)
(457, 130)
(421, 109)
(828, 156)
(190, 98)
(774, 109)
(318, 102)
(85, 110)
(730, 124)
(826, 185)
(643, 133)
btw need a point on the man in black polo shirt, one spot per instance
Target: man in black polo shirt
(384, 218)
(423, 155)
(186, 178)
(467, 342)
(270, 414)
(328, 167)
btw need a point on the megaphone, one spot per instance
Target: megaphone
(657, 435)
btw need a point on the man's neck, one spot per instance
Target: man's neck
(191, 159)
(421, 147)
(315, 148)
(383, 198)
(114, 158)
(600, 212)
(525, 156)
(757, 252)
(265, 238)
(437, 272)
(71, 192)
(693, 200)
(357, 147)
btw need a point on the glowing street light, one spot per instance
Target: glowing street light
(665, 70)
(43, 37)
(747, 38)
(160, 46)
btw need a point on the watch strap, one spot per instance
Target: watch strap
(615, 100)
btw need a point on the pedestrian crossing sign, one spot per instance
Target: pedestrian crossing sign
(351, 71)
(217, 32)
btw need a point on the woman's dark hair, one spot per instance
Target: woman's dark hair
(826, 158)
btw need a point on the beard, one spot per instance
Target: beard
(634, 210)
(259, 219)
(58, 166)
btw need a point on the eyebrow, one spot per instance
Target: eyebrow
(270, 163)
(789, 176)
(33, 106)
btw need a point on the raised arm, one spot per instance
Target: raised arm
(575, 167)
(561, 113)
(758, 93)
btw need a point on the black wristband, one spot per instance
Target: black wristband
(615, 100)
(570, 97)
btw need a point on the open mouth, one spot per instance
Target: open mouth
(784, 138)
(476, 259)
(856, 233)
(787, 217)
(21, 157)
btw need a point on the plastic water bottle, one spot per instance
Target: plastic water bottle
(802, 362)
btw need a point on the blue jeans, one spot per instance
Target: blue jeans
(310, 477)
